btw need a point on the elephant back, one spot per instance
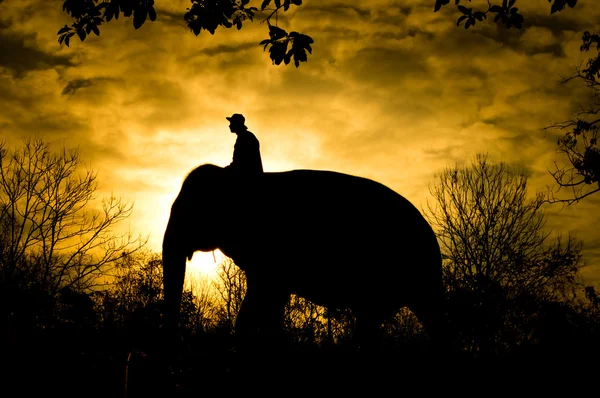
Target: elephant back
(329, 211)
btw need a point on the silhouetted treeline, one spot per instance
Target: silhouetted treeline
(95, 335)
(79, 321)
(512, 286)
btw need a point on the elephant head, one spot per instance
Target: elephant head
(202, 219)
(193, 226)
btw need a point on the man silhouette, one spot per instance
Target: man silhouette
(246, 151)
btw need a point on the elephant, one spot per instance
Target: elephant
(338, 240)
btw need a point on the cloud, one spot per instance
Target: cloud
(20, 55)
(228, 49)
(74, 85)
(392, 91)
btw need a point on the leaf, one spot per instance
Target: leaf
(286, 5)
(468, 23)
(480, 15)
(239, 24)
(301, 38)
(517, 20)
(299, 56)
(96, 30)
(496, 8)
(139, 17)
(265, 43)
(560, 4)
(465, 10)
(108, 13)
(81, 34)
(299, 2)
(277, 3)
(195, 26)
(278, 51)
(67, 40)
(439, 4)
(63, 30)
(462, 18)
(264, 4)
(511, 3)
(152, 13)
(276, 33)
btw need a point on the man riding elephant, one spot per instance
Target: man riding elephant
(246, 151)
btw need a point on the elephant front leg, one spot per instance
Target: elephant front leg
(259, 323)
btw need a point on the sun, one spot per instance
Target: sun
(206, 263)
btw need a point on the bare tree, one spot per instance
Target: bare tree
(52, 235)
(199, 304)
(305, 321)
(138, 280)
(135, 297)
(404, 328)
(580, 177)
(490, 229)
(231, 289)
(499, 270)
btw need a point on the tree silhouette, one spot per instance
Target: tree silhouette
(56, 246)
(581, 175)
(231, 288)
(209, 15)
(51, 234)
(505, 13)
(497, 259)
(206, 15)
(488, 226)
(305, 322)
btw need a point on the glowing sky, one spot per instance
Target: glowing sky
(392, 91)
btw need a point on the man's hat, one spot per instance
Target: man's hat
(237, 118)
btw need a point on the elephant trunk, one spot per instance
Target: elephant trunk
(174, 263)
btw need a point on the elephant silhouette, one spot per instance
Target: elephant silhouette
(338, 240)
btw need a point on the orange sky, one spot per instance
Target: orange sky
(392, 91)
